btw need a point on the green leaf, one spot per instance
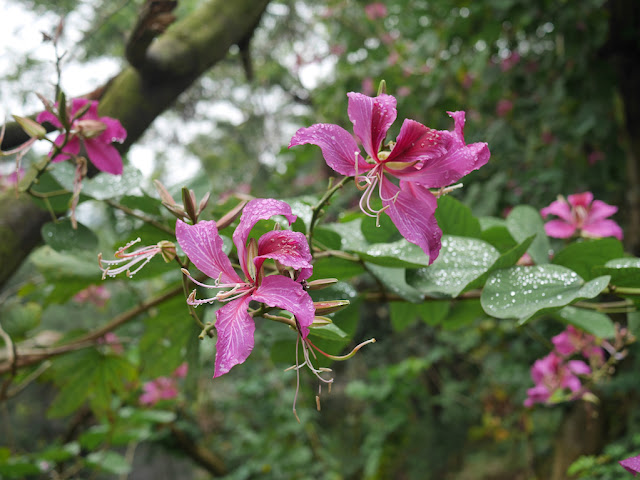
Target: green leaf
(60, 266)
(350, 233)
(109, 461)
(461, 261)
(463, 313)
(455, 218)
(403, 314)
(507, 259)
(499, 237)
(525, 221)
(329, 332)
(336, 267)
(137, 415)
(62, 236)
(595, 323)
(387, 232)
(625, 272)
(328, 238)
(104, 185)
(18, 318)
(582, 256)
(522, 292)
(394, 280)
(397, 254)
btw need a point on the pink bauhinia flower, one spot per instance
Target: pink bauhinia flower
(235, 326)
(551, 374)
(573, 341)
(581, 214)
(95, 133)
(631, 465)
(421, 158)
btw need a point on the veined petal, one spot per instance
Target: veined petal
(603, 228)
(235, 329)
(371, 118)
(115, 132)
(48, 117)
(255, 210)
(104, 156)
(413, 213)
(559, 229)
(459, 159)
(600, 210)
(560, 208)
(282, 292)
(287, 247)
(203, 245)
(631, 465)
(417, 142)
(339, 148)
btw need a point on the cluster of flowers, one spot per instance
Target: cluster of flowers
(556, 377)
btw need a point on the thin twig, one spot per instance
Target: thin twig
(140, 216)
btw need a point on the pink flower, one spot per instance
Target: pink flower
(112, 340)
(181, 370)
(203, 245)
(582, 213)
(94, 133)
(421, 158)
(552, 374)
(510, 61)
(96, 294)
(503, 107)
(631, 465)
(375, 10)
(367, 85)
(161, 388)
(595, 157)
(573, 341)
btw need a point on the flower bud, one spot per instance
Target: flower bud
(320, 322)
(31, 127)
(321, 283)
(167, 250)
(330, 306)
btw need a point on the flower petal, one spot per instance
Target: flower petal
(287, 247)
(578, 367)
(104, 156)
(560, 208)
(412, 212)
(631, 465)
(78, 104)
(255, 210)
(581, 199)
(371, 118)
(71, 148)
(235, 329)
(416, 142)
(459, 159)
(115, 132)
(603, 228)
(559, 229)
(600, 210)
(339, 148)
(48, 117)
(203, 245)
(282, 292)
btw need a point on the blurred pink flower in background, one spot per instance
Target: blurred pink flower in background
(573, 341)
(11, 180)
(112, 340)
(162, 388)
(552, 374)
(375, 10)
(367, 86)
(96, 294)
(404, 91)
(581, 214)
(503, 107)
(595, 157)
(510, 61)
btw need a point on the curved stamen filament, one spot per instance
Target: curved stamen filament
(237, 290)
(112, 272)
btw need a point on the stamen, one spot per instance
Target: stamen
(343, 357)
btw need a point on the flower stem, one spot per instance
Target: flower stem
(317, 208)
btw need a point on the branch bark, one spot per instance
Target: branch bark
(136, 97)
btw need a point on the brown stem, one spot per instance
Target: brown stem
(199, 454)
